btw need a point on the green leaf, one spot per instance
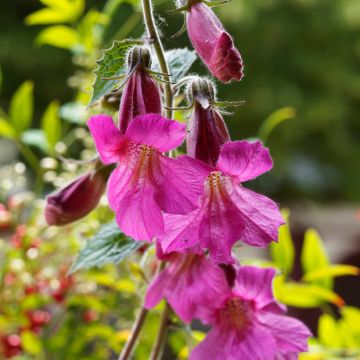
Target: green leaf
(21, 106)
(111, 64)
(179, 60)
(59, 36)
(1, 78)
(74, 112)
(6, 129)
(36, 138)
(331, 271)
(283, 252)
(304, 295)
(51, 124)
(109, 245)
(273, 120)
(328, 331)
(30, 342)
(58, 11)
(314, 257)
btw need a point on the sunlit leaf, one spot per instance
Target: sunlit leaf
(328, 331)
(58, 11)
(179, 61)
(21, 106)
(51, 124)
(60, 36)
(30, 342)
(283, 252)
(276, 118)
(304, 295)
(109, 245)
(6, 129)
(111, 64)
(36, 138)
(314, 257)
(331, 271)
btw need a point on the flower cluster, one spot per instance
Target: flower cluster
(194, 206)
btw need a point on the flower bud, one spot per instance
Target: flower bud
(213, 44)
(141, 94)
(207, 130)
(77, 199)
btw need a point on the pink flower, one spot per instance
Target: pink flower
(213, 44)
(227, 212)
(187, 282)
(141, 94)
(145, 182)
(250, 324)
(76, 200)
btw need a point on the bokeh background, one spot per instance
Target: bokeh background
(301, 61)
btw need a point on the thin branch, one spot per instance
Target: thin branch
(135, 331)
(159, 344)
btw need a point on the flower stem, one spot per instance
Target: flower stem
(135, 331)
(155, 39)
(159, 344)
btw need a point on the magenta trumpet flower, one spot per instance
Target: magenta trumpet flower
(141, 94)
(145, 182)
(227, 212)
(77, 199)
(213, 44)
(250, 324)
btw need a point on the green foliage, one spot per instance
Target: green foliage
(109, 245)
(36, 138)
(51, 125)
(283, 252)
(60, 36)
(57, 11)
(330, 272)
(179, 61)
(111, 65)
(314, 257)
(21, 106)
(31, 342)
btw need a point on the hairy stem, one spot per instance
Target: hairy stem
(135, 331)
(155, 39)
(159, 344)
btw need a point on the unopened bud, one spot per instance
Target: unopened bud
(139, 55)
(77, 199)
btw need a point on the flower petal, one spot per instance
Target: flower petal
(253, 283)
(133, 200)
(178, 190)
(156, 131)
(244, 159)
(107, 138)
(260, 215)
(290, 334)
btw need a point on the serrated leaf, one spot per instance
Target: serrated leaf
(59, 36)
(314, 256)
(283, 252)
(51, 124)
(109, 245)
(179, 61)
(35, 137)
(6, 129)
(21, 106)
(331, 271)
(305, 295)
(111, 64)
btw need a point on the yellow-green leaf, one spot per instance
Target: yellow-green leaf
(60, 36)
(6, 129)
(51, 124)
(304, 295)
(314, 257)
(21, 106)
(31, 343)
(328, 331)
(331, 271)
(283, 252)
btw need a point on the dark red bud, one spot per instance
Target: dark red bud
(76, 200)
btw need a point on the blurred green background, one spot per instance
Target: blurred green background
(303, 54)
